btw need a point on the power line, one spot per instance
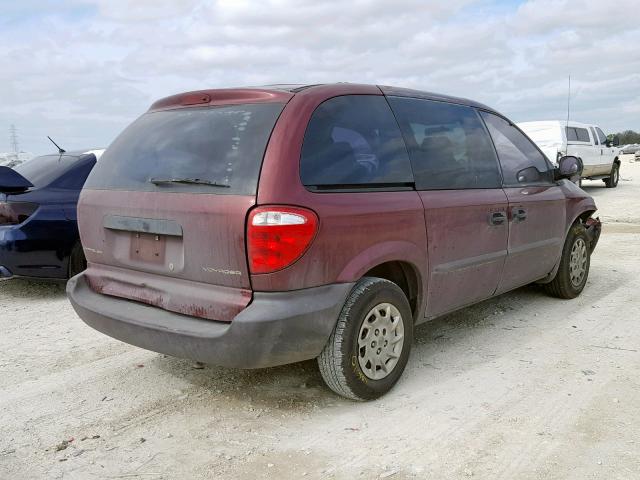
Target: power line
(13, 139)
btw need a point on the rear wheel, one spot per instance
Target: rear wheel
(77, 261)
(612, 180)
(370, 344)
(574, 265)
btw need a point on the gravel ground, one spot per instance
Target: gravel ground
(522, 386)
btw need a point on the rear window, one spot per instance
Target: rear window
(42, 171)
(193, 150)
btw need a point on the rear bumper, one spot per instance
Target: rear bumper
(275, 329)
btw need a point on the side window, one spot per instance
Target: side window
(521, 161)
(572, 135)
(583, 135)
(601, 136)
(354, 140)
(448, 145)
(593, 134)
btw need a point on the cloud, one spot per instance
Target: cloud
(82, 70)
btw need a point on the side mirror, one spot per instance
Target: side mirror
(569, 167)
(616, 141)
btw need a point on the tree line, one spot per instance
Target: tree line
(626, 137)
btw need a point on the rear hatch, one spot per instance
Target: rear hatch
(162, 216)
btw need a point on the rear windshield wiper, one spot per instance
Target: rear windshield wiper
(190, 181)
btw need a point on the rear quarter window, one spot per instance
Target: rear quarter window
(223, 145)
(354, 141)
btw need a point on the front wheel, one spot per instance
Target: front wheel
(612, 180)
(574, 265)
(370, 344)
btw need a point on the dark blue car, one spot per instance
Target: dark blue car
(38, 223)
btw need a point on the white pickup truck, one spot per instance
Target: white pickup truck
(556, 138)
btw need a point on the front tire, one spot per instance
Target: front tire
(614, 177)
(370, 344)
(573, 271)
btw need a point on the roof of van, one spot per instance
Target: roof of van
(280, 91)
(387, 90)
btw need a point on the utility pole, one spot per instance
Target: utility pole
(13, 139)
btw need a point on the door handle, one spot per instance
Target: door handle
(497, 218)
(518, 214)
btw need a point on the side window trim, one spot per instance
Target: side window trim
(550, 166)
(594, 135)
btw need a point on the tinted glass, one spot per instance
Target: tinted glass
(601, 136)
(354, 140)
(41, 171)
(223, 145)
(583, 135)
(593, 134)
(516, 153)
(572, 136)
(448, 145)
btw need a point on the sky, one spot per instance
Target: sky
(82, 70)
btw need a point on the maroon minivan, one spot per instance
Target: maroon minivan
(254, 227)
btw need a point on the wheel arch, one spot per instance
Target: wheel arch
(398, 262)
(403, 274)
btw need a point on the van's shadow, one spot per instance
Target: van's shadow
(299, 387)
(27, 289)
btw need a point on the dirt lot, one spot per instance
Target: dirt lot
(519, 387)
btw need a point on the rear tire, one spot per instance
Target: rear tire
(612, 180)
(77, 260)
(370, 344)
(573, 271)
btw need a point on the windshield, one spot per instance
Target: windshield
(203, 148)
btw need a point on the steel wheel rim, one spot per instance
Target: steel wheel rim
(616, 174)
(578, 262)
(380, 341)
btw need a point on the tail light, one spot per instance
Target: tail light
(278, 236)
(14, 213)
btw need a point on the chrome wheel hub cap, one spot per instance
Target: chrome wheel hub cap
(578, 262)
(380, 341)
